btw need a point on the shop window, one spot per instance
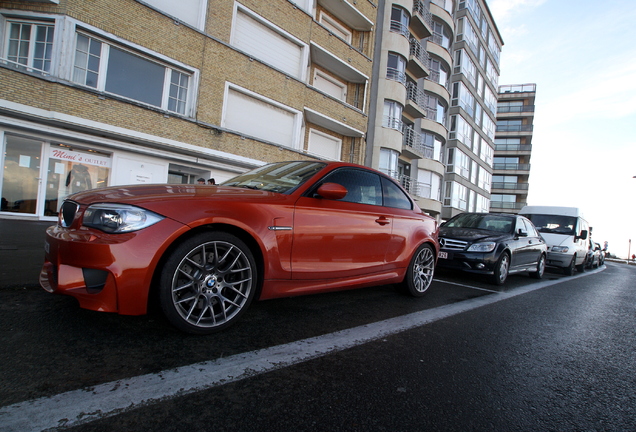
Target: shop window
(71, 171)
(21, 172)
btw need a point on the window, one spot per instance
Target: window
(441, 35)
(323, 145)
(429, 184)
(363, 187)
(129, 75)
(463, 130)
(455, 195)
(189, 11)
(432, 147)
(29, 45)
(509, 125)
(467, 66)
(389, 162)
(485, 179)
(335, 27)
(400, 21)
(439, 73)
(469, 34)
(463, 97)
(483, 204)
(486, 153)
(392, 115)
(393, 196)
(396, 67)
(330, 85)
(253, 115)
(458, 162)
(491, 100)
(489, 127)
(268, 43)
(491, 73)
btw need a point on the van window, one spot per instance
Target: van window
(556, 224)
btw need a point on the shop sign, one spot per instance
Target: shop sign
(83, 158)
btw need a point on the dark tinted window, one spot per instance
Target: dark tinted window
(394, 196)
(362, 186)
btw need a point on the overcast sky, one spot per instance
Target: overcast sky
(582, 56)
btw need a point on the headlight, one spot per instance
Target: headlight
(482, 247)
(562, 249)
(118, 218)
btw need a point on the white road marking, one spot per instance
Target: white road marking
(465, 286)
(105, 400)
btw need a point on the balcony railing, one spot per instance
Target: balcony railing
(518, 88)
(506, 205)
(513, 147)
(398, 27)
(510, 186)
(420, 9)
(418, 51)
(515, 109)
(396, 75)
(514, 128)
(392, 122)
(416, 95)
(511, 167)
(412, 139)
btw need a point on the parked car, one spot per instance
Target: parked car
(206, 252)
(492, 244)
(593, 259)
(602, 254)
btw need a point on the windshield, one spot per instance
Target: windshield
(281, 177)
(556, 224)
(482, 221)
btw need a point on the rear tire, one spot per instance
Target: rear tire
(419, 275)
(540, 268)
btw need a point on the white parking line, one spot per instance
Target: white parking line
(465, 286)
(82, 406)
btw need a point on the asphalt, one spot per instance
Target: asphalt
(21, 252)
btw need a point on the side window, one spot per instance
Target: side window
(520, 226)
(363, 187)
(394, 196)
(532, 232)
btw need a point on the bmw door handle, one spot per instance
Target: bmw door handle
(382, 220)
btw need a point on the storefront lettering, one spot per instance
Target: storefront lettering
(80, 158)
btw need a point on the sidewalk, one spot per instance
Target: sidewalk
(21, 252)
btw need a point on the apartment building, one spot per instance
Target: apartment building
(434, 103)
(114, 92)
(410, 97)
(513, 147)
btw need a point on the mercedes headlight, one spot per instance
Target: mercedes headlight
(482, 247)
(118, 218)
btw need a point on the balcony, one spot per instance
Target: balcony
(418, 59)
(395, 75)
(519, 148)
(514, 128)
(509, 186)
(515, 109)
(398, 27)
(412, 186)
(506, 205)
(511, 167)
(518, 88)
(415, 101)
(412, 144)
(421, 20)
(348, 14)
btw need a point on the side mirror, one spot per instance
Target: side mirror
(522, 233)
(583, 235)
(332, 191)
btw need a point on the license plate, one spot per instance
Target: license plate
(443, 255)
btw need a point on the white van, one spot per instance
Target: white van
(565, 232)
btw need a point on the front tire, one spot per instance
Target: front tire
(501, 269)
(569, 270)
(419, 275)
(207, 283)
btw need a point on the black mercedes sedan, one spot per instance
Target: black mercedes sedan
(494, 244)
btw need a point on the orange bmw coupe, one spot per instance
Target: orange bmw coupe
(284, 229)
